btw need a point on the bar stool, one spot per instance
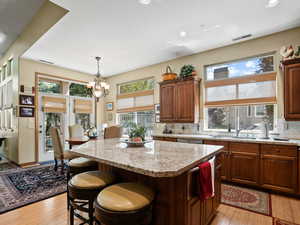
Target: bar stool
(79, 165)
(83, 188)
(124, 203)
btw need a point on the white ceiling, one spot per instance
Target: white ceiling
(14, 16)
(129, 35)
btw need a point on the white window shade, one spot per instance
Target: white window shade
(144, 100)
(125, 103)
(241, 91)
(221, 93)
(257, 90)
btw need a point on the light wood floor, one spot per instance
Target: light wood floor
(53, 211)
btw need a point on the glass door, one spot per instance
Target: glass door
(50, 116)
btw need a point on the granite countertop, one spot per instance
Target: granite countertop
(156, 159)
(223, 138)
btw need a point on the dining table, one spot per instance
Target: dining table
(77, 140)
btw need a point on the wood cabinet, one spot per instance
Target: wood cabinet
(202, 212)
(165, 139)
(179, 101)
(223, 157)
(167, 102)
(244, 163)
(273, 167)
(291, 89)
(279, 168)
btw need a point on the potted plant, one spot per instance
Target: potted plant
(137, 133)
(187, 71)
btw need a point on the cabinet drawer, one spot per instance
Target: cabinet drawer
(222, 143)
(244, 147)
(283, 150)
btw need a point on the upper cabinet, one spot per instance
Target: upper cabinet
(179, 101)
(291, 89)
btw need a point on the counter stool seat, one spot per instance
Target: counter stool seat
(82, 162)
(83, 188)
(124, 203)
(79, 165)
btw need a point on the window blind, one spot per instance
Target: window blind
(54, 104)
(83, 106)
(134, 102)
(250, 89)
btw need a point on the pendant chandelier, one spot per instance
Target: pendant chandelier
(99, 86)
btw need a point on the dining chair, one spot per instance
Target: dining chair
(58, 147)
(76, 130)
(112, 132)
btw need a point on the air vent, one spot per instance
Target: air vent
(242, 37)
(45, 61)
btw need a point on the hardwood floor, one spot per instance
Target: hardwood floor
(53, 211)
(228, 215)
(286, 208)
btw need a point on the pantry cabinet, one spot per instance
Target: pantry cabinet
(179, 101)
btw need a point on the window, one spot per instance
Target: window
(250, 66)
(230, 117)
(136, 86)
(4, 71)
(143, 118)
(240, 94)
(83, 119)
(9, 67)
(48, 86)
(136, 96)
(80, 90)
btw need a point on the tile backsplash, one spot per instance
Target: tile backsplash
(286, 129)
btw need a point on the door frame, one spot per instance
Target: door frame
(37, 77)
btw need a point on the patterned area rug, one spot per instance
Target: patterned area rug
(24, 186)
(249, 199)
(7, 166)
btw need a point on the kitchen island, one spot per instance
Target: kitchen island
(169, 168)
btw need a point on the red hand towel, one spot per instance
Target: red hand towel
(205, 184)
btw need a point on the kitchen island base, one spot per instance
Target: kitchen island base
(177, 198)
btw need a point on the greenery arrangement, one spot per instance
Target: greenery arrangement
(136, 131)
(186, 71)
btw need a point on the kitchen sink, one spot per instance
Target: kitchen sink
(233, 137)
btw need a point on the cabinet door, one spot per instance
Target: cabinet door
(244, 167)
(167, 102)
(291, 91)
(279, 173)
(185, 99)
(222, 157)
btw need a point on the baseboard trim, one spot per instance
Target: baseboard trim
(30, 164)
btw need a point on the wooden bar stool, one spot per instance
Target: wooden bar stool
(124, 203)
(83, 188)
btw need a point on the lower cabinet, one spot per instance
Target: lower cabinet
(279, 168)
(244, 163)
(223, 156)
(202, 212)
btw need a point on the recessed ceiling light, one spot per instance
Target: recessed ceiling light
(272, 3)
(182, 34)
(145, 2)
